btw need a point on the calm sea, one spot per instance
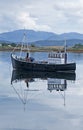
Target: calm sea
(41, 102)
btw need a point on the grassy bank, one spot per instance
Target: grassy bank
(43, 49)
(46, 48)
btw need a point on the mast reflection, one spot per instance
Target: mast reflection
(55, 81)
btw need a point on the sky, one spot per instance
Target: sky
(58, 16)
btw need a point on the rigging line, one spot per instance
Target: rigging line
(32, 95)
(61, 93)
(24, 41)
(23, 99)
(18, 95)
(23, 94)
(63, 96)
(21, 49)
(15, 48)
(35, 95)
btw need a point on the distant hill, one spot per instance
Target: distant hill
(42, 38)
(70, 42)
(17, 35)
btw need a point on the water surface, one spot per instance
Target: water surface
(34, 106)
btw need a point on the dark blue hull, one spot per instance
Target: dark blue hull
(19, 64)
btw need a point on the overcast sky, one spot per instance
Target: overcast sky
(57, 16)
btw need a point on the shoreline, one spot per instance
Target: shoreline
(44, 49)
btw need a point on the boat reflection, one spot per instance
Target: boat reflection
(57, 84)
(21, 75)
(55, 81)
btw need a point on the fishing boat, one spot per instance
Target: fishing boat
(56, 62)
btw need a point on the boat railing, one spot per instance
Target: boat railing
(56, 55)
(18, 57)
(58, 87)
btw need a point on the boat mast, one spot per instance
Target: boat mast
(65, 53)
(65, 46)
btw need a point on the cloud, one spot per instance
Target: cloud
(70, 14)
(25, 20)
(56, 15)
(16, 17)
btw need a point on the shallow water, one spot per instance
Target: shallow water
(35, 107)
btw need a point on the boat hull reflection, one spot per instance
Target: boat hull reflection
(20, 75)
(55, 81)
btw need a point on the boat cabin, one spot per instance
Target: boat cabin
(57, 58)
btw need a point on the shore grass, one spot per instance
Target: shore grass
(43, 49)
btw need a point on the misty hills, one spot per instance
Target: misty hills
(42, 38)
(17, 35)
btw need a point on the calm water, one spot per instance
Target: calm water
(38, 105)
